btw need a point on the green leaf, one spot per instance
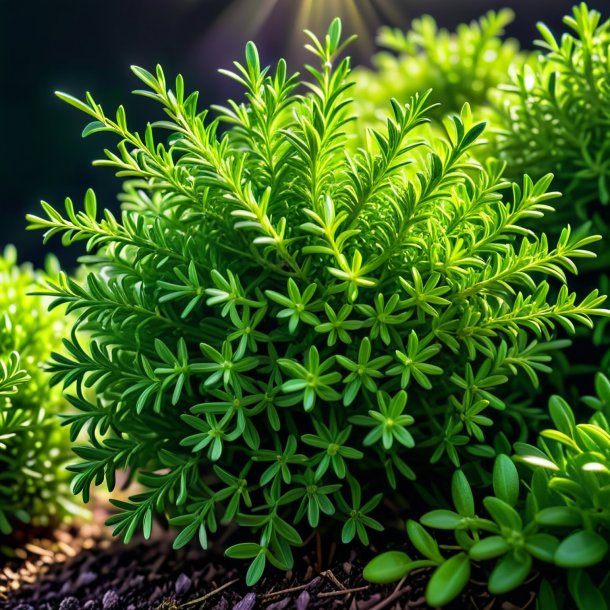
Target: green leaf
(462, 494)
(256, 569)
(473, 134)
(387, 567)
(243, 550)
(424, 542)
(442, 519)
(542, 546)
(502, 513)
(489, 548)
(509, 573)
(562, 416)
(581, 550)
(186, 535)
(448, 580)
(584, 592)
(559, 516)
(546, 599)
(506, 480)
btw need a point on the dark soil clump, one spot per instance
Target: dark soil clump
(150, 575)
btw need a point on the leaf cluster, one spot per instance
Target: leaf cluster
(553, 113)
(274, 323)
(559, 516)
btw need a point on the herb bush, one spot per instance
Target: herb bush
(554, 114)
(272, 323)
(561, 517)
(34, 448)
(547, 112)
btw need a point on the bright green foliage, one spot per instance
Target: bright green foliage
(460, 67)
(562, 516)
(266, 298)
(554, 115)
(549, 110)
(34, 448)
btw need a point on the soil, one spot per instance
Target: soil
(83, 569)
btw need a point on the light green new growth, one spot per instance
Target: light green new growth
(460, 67)
(34, 448)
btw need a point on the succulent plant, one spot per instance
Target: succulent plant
(273, 324)
(34, 448)
(560, 517)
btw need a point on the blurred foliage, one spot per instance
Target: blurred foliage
(34, 448)
(554, 115)
(460, 67)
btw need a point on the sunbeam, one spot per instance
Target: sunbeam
(284, 21)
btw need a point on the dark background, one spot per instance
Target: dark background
(77, 46)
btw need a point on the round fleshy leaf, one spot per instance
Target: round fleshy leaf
(580, 550)
(441, 519)
(448, 580)
(542, 546)
(559, 516)
(489, 548)
(509, 573)
(387, 567)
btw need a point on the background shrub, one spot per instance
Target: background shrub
(34, 448)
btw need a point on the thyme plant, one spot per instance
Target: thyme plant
(273, 323)
(547, 110)
(34, 448)
(554, 114)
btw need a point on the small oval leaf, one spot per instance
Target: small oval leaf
(387, 567)
(506, 480)
(580, 550)
(509, 573)
(462, 494)
(424, 542)
(448, 580)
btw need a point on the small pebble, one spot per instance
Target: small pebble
(223, 604)
(69, 603)
(183, 584)
(247, 603)
(303, 600)
(24, 607)
(92, 604)
(85, 578)
(110, 601)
